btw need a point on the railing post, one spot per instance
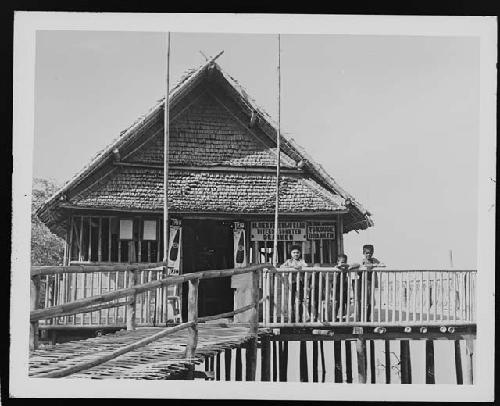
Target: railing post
(251, 348)
(34, 299)
(192, 340)
(132, 281)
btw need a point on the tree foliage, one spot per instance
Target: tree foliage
(46, 247)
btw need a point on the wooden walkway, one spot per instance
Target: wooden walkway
(162, 359)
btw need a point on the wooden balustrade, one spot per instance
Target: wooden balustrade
(129, 301)
(328, 296)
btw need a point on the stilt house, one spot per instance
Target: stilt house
(221, 191)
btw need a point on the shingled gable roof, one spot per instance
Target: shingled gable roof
(357, 218)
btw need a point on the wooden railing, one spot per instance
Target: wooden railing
(128, 296)
(61, 285)
(373, 297)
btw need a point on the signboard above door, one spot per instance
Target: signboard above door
(320, 231)
(287, 231)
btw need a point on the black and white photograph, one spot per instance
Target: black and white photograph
(253, 206)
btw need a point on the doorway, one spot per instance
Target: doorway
(206, 245)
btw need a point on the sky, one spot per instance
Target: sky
(394, 119)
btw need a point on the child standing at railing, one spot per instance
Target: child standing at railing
(296, 262)
(341, 280)
(369, 262)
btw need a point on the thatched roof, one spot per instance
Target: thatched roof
(193, 143)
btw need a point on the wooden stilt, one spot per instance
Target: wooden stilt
(405, 361)
(34, 298)
(251, 359)
(192, 332)
(227, 363)
(238, 371)
(337, 355)
(387, 350)
(212, 367)
(285, 361)
(373, 373)
(469, 361)
(217, 367)
(275, 361)
(282, 372)
(348, 362)
(304, 375)
(265, 371)
(323, 368)
(429, 362)
(458, 363)
(315, 361)
(361, 354)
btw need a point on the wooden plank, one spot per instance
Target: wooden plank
(192, 340)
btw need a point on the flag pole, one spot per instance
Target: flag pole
(166, 134)
(275, 246)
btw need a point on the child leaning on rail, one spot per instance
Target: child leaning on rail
(342, 286)
(298, 263)
(367, 264)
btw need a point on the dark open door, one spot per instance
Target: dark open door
(208, 244)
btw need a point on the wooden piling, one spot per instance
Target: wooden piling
(405, 361)
(251, 347)
(304, 375)
(34, 300)
(337, 355)
(387, 350)
(373, 374)
(283, 361)
(227, 364)
(315, 361)
(429, 362)
(361, 355)
(217, 367)
(323, 368)
(458, 363)
(265, 350)
(469, 361)
(275, 361)
(192, 332)
(237, 368)
(348, 361)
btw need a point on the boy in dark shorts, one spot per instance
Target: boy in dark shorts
(296, 261)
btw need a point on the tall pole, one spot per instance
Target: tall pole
(275, 246)
(166, 133)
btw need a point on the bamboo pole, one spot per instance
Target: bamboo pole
(278, 159)
(166, 129)
(192, 340)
